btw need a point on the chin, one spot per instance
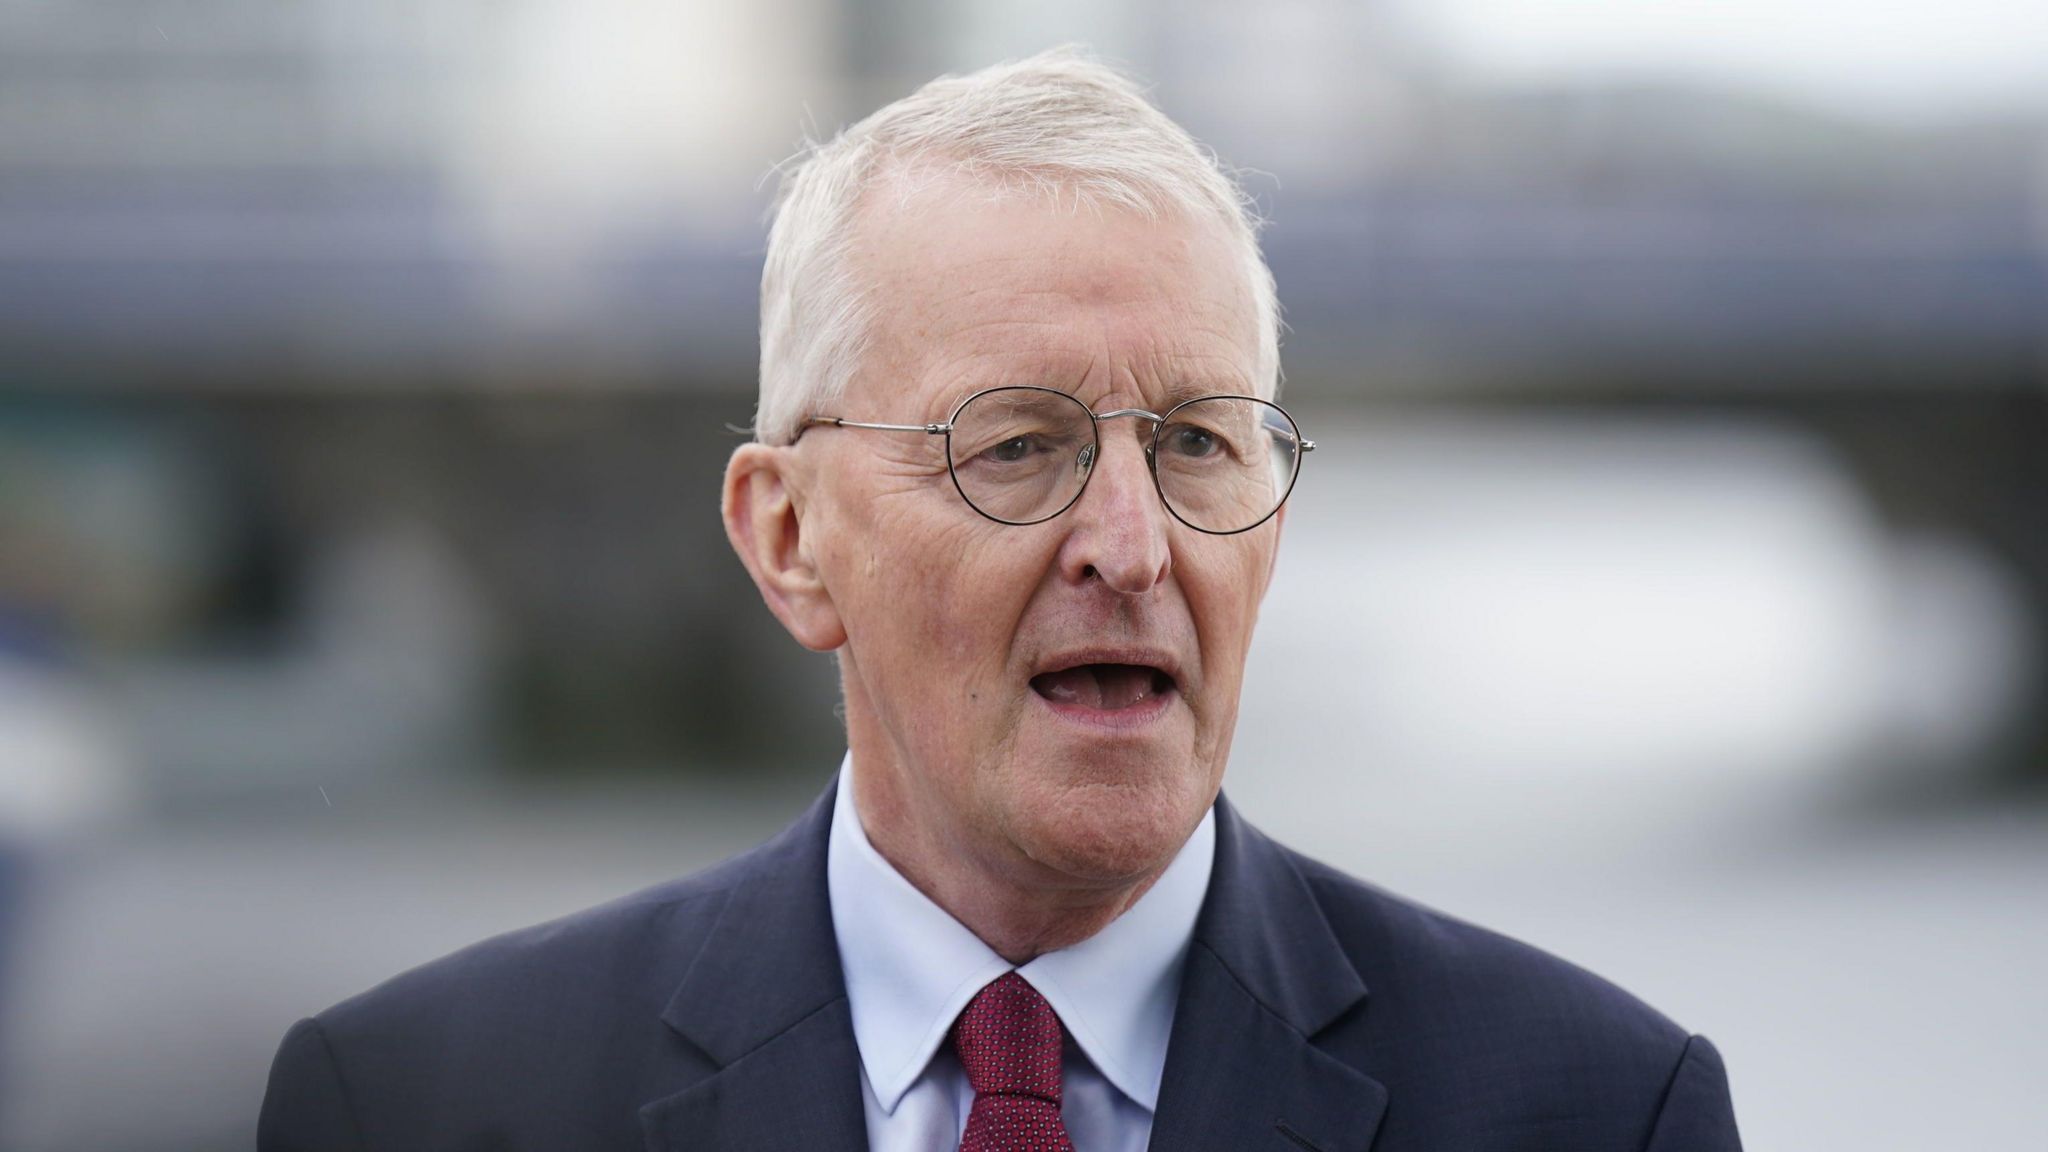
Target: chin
(1111, 830)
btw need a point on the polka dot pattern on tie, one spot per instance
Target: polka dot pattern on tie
(1009, 1043)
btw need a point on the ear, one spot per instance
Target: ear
(764, 522)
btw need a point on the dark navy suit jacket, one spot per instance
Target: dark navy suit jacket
(1316, 1012)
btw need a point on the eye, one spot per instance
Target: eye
(1190, 440)
(1010, 451)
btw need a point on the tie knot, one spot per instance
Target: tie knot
(1008, 1039)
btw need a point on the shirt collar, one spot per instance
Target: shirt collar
(911, 968)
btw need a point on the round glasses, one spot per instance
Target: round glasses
(1021, 455)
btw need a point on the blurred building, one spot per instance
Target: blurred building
(1670, 588)
(481, 276)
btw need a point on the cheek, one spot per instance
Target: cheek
(1226, 610)
(943, 602)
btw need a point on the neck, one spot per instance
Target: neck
(1019, 908)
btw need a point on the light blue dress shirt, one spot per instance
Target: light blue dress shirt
(911, 968)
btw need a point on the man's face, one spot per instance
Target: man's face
(1052, 701)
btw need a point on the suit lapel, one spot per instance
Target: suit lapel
(1265, 976)
(801, 1089)
(765, 1001)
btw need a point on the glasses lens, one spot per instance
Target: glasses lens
(1226, 462)
(1021, 455)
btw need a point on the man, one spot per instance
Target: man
(1017, 465)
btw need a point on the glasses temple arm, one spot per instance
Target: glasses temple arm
(841, 422)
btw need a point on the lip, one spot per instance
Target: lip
(1067, 658)
(1122, 720)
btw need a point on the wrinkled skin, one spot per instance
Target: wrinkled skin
(1034, 825)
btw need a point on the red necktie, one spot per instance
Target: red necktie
(1009, 1043)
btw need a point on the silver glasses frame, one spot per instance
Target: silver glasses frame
(1158, 420)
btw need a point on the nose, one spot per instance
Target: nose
(1117, 531)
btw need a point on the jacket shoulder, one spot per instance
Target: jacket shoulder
(1484, 1035)
(552, 1031)
(649, 934)
(1407, 951)
(551, 1036)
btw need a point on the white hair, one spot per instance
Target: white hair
(1057, 124)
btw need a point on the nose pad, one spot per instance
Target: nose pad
(1085, 462)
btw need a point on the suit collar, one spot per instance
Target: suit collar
(766, 1002)
(1265, 977)
(770, 960)
(1264, 924)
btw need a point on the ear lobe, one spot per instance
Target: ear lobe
(765, 526)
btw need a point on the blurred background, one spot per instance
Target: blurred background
(1670, 589)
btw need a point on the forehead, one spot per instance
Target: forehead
(972, 287)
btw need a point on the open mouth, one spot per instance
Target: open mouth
(1103, 687)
